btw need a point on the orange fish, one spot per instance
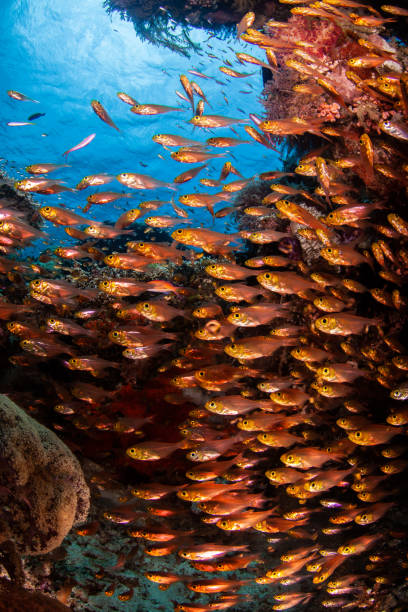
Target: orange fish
(142, 181)
(305, 458)
(214, 121)
(193, 156)
(44, 168)
(61, 216)
(372, 435)
(215, 586)
(204, 552)
(102, 114)
(154, 109)
(188, 175)
(152, 451)
(94, 180)
(126, 98)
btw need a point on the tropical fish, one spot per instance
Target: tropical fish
(19, 96)
(188, 175)
(153, 109)
(102, 114)
(142, 181)
(126, 98)
(81, 144)
(214, 121)
(44, 168)
(61, 216)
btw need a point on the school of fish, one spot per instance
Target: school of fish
(282, 376)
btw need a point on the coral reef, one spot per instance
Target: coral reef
(42, 486)
(169, 24)
(14, 598)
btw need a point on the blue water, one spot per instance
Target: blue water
(66, 54)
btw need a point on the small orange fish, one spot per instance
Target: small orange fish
(154, 109)
(343, 324)
(152, 451)
(204, 552)
(372, 435)
(215, 586)
(246, 21)
(358, 545)
(142, 181)
(214, 121)
(102, 114)
(305, 458)
(94, 180)
(188, 175)
(126, 98)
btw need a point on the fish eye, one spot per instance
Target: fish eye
(183, 493)
(237, 315)
(179, 231)
(47, 209)
(51, 321)
(224, 523)
(347, 550)
(106, 283)
(115, 334)
(193, 454)
(146, 305)
(324, 321)
(212, 404)
(290, 457)
(233, 346)
(357, 434)
(221, 289)
(329, 250)
(267, 275)
(201, 374)
(326, 370)
(364, 517)
(141, 244)
(132, 451)
(264, 436)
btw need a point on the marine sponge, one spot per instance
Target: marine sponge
(42, 486)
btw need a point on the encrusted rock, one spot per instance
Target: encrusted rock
(42, 488)
(13, 598)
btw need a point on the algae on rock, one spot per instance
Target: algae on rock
(42, 485)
